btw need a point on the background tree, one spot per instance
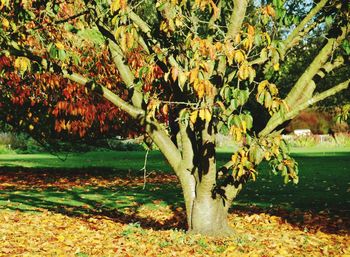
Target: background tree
(181, 70)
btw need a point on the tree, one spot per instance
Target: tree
(181, 70)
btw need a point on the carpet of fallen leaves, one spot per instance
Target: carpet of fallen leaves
(258, 233)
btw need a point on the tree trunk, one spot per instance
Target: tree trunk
(207, 210)
(209, 216)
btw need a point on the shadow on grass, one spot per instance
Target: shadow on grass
(34, 189)
(85, 209)
(76, 196)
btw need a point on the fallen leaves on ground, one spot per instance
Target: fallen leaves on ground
(52, 234)
(156, 229)
(62, 179)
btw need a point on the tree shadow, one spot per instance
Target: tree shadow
(126, 211)
(305, 220)
(123, 203)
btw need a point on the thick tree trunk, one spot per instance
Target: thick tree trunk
(207, 211)
(209, 217)
(206, 205)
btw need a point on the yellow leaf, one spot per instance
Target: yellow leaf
(164, 26)
(238, 134)
(270, 11)
(115, 5)
(276, 66)
(218, 46)
(22, 64)
(193, 75)
(243, 153)
(174, 73)
(193, 116)
(253, 176)
(207, 115)
(178, 22)
(262, 85)
(59, 45)
(4, 3)
(240, 171)
(231, 248)
(196, 84)
(165, 109)
(243, 72)
(268, 38)
(234, 158)
(238, 38)
(273, 89)
(123, 42)
(182, 78)
(222, 106)
(244, 126)
(208, 88)
(244, 160)
(5, 23)
(61, 238)
(200, 90)
(129, 40)
(118, 32)
(202, 114)
(251, 30)
(247, 43)
(252, 74)
(239, 56)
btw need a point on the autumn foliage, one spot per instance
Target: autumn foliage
(182, 71)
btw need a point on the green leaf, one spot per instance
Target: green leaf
(329, 21)
(92, 35)
(143, 70)
(346, 46)
(233, 104)
(53, 51)
(62, 55)
(249, 120)
(268, 99)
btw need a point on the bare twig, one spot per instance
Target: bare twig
(144, 169)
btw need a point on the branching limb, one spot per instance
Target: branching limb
(319, 61)
(277, 120)
(186, 144)
(297, 34)
(291, 40)
(164, 143)
(237, 17)
(133, 111)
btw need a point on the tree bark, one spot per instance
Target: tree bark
(206, 208)
(209, 216)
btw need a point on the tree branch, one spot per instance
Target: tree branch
(237, 17)
(290, 40)
(125, 73)
(305, 79)
(164, 143)
(297, 34)
(277, 120)
(153, 128)
(109, 95)
(187, 149)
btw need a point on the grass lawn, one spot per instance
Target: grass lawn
(109, 186)
(324, 178)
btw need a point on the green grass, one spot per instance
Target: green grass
(324, 183)
(122, 160)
